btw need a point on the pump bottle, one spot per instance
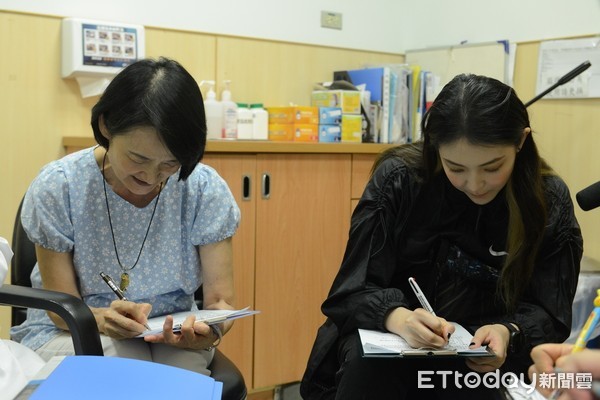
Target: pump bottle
(229, 130)
(214, 112)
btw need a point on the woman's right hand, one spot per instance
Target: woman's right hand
(123, 319)
(419, 328)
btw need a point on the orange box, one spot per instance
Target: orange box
(306, 133)
(293, 115)
(281, 132)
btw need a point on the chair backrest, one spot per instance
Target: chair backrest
(22, 263)
(234, 387)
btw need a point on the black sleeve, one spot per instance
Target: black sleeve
(360, 296)
(545, 311)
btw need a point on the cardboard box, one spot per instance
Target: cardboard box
(306, 133)
(281, 132)
(347, 100)
(293, 115)
(330, 115)
(352, 128)
(330, 133)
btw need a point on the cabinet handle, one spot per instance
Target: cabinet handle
(246, 188)
(266, 186)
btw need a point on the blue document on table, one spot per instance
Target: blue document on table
(96, 377)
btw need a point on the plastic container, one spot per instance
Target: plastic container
(244, 122)
(260, 122)
(214, 113)
(229, 130)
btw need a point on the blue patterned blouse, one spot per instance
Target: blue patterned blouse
(65, 211)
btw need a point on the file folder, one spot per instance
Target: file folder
(101, 378)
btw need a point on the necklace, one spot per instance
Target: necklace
(124, 271)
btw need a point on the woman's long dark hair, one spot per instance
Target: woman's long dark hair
(487, 112)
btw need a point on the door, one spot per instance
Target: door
(302, 225)
(239, 172)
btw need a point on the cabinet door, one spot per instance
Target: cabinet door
(235, 169)
(301, 233)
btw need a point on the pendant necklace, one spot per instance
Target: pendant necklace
(124, 271)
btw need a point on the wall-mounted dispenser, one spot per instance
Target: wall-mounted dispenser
(93, 52)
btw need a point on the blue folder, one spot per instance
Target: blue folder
(371, 77)
(95, 377)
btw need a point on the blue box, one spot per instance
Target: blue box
(330, 115)
(330, 133)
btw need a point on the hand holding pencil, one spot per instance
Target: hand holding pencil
(551, 358)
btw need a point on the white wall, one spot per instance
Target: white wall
(381, 25)
(367, 24)
(442, 23)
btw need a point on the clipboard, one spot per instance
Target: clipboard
(385, 344)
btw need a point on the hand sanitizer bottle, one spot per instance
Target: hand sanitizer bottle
(229, 130)
(214, 113)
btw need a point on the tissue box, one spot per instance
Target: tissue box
(330, 133)
(352, 128)
(330, 115)
(281, 132)
(293, 115)
(306, 133)
(347, 100)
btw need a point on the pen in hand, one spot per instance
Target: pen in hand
(111, 284)
(420, 295)
(584, 335)
(422, 299)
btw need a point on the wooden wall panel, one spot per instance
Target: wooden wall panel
(277, 74)
(567, 133)
(195, 51)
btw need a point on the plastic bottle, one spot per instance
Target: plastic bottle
(214, 112)
(260, 122)
(229, 130)
(244, 122)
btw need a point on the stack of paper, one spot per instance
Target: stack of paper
(209, 317)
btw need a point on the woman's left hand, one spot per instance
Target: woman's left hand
(496, 337)
(193, 334)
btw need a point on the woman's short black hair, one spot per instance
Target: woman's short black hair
(159, 94)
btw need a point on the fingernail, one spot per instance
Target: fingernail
(471, 344)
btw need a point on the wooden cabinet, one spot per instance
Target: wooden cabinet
(295, 201)
(295, 213)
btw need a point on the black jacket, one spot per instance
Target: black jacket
(453, 247)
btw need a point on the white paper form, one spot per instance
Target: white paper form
(377, 343)
(557, 57)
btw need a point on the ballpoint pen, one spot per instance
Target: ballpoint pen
(584, 335)
(113, 286)
(420, 295)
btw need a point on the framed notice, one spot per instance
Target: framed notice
(557, 57)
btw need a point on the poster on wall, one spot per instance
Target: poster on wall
(109, 45)
(93, 52)
(557, 57)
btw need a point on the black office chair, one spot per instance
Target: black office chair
(24, 259)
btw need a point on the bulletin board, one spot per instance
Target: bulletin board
(557, 57)
(489, 59)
